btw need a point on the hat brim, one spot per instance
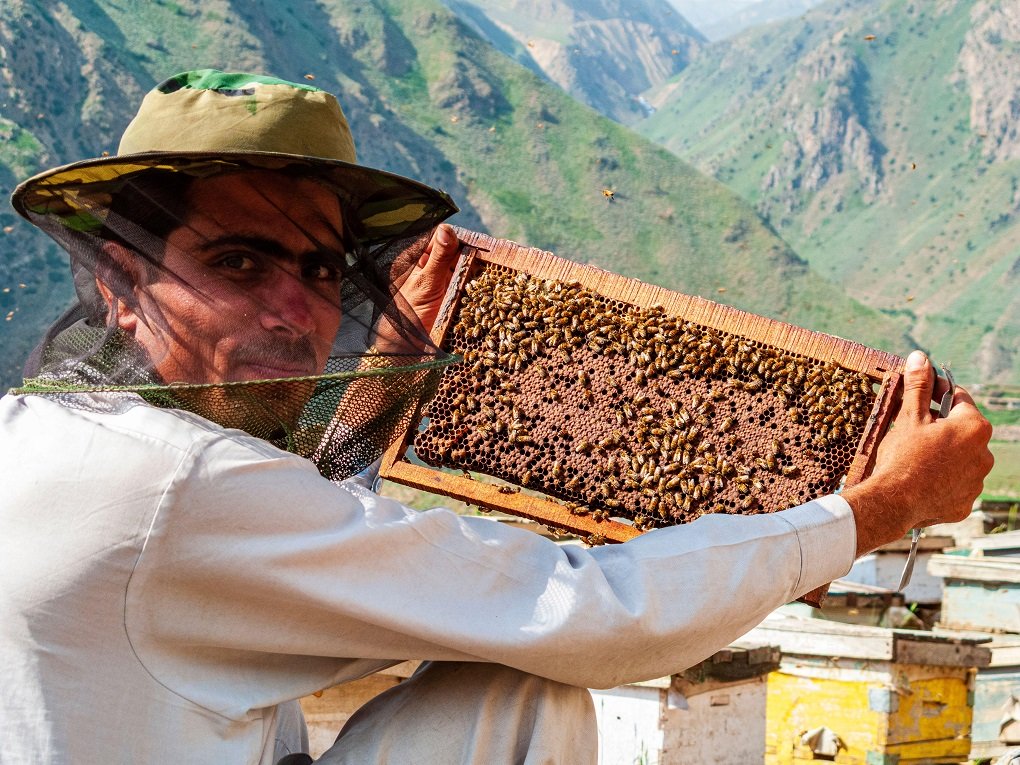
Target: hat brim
(386, 205)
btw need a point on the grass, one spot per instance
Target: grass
(1004, 480)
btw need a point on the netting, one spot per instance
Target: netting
(260, 295)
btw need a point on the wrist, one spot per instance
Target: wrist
(881, 513)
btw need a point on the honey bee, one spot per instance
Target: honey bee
(727, 424)
(790, 471)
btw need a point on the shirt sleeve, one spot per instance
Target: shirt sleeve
(255, 557)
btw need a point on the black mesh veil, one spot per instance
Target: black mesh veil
(259, 295)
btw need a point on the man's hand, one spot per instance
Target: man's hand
(927, 470)
(426, 286)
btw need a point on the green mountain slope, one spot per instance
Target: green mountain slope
(426, 98)
(879, 138)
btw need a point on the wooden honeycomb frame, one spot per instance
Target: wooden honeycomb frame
(481, 251)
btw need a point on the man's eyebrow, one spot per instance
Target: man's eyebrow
(260, 243)
(266, 245)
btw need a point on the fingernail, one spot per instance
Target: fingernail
(916, 360)
(444, 235)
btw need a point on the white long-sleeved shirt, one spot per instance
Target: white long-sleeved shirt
(165, 583)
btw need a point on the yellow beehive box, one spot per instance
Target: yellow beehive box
(860, 695)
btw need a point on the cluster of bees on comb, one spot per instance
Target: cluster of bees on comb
(630, 413)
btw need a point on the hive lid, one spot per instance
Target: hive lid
(836, 640)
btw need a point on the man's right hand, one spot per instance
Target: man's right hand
(927, 470)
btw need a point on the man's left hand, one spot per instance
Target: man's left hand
(426, 286)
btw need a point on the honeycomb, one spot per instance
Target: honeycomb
(629, 413)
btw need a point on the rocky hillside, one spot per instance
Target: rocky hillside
(717, 19)
(605, 53)
(426, 97)
(880, 138)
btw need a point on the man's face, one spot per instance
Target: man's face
(250, 288)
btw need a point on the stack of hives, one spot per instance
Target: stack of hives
(634, 413)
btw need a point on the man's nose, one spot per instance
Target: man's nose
(287, 305)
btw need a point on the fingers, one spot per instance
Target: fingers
(917, 387)
(962, 397)
(442, 247)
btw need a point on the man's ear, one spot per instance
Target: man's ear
(118, 276)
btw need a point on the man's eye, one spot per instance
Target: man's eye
(322, 272)
(237, 261)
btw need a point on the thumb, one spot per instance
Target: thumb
(917, 386)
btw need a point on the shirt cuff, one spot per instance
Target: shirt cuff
(827, 534)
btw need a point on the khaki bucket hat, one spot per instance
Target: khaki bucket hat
(205, 122)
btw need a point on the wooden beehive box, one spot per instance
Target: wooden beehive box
(625, 406)
(979, 592)
(996, 726)
(884, 696)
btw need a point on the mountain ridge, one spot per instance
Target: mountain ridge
(876, 138)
